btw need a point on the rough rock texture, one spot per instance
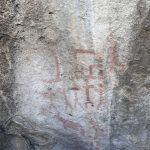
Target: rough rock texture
(74, 75)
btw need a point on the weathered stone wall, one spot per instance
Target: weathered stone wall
(74, 74)
(7, 14)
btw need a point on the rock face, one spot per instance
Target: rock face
(74, 75)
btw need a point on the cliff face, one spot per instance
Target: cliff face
(74, 75)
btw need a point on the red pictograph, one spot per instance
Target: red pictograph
(92, 80)
(90, 67)
(75, 88)
(87, 89)
(50, 92)
(68, 124)
(83, 51)
(58, 76)
(96, 127)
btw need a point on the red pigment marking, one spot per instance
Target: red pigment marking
(96, 128)
(75, 89)
(90, 75)
(112, 50)
(58, 78)
(81, 51)
(67, 104)
(101, 91)
(101, 75)
(67, 124)
(50, 93)
(87, 89)
(113, 56)
(101, 88)
(91, 68)
(100, 56)
(76, 99)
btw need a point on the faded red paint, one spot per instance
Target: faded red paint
(112, 50)
(91, 68)
(75, 88)
(67, 104)
(58, 74)
(113, 57)
(91, 76)
(83, 51)
(96, 128)
(51, 92)
(67, 124)
(87, 89)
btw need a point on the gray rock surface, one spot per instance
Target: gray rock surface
(74, 75)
